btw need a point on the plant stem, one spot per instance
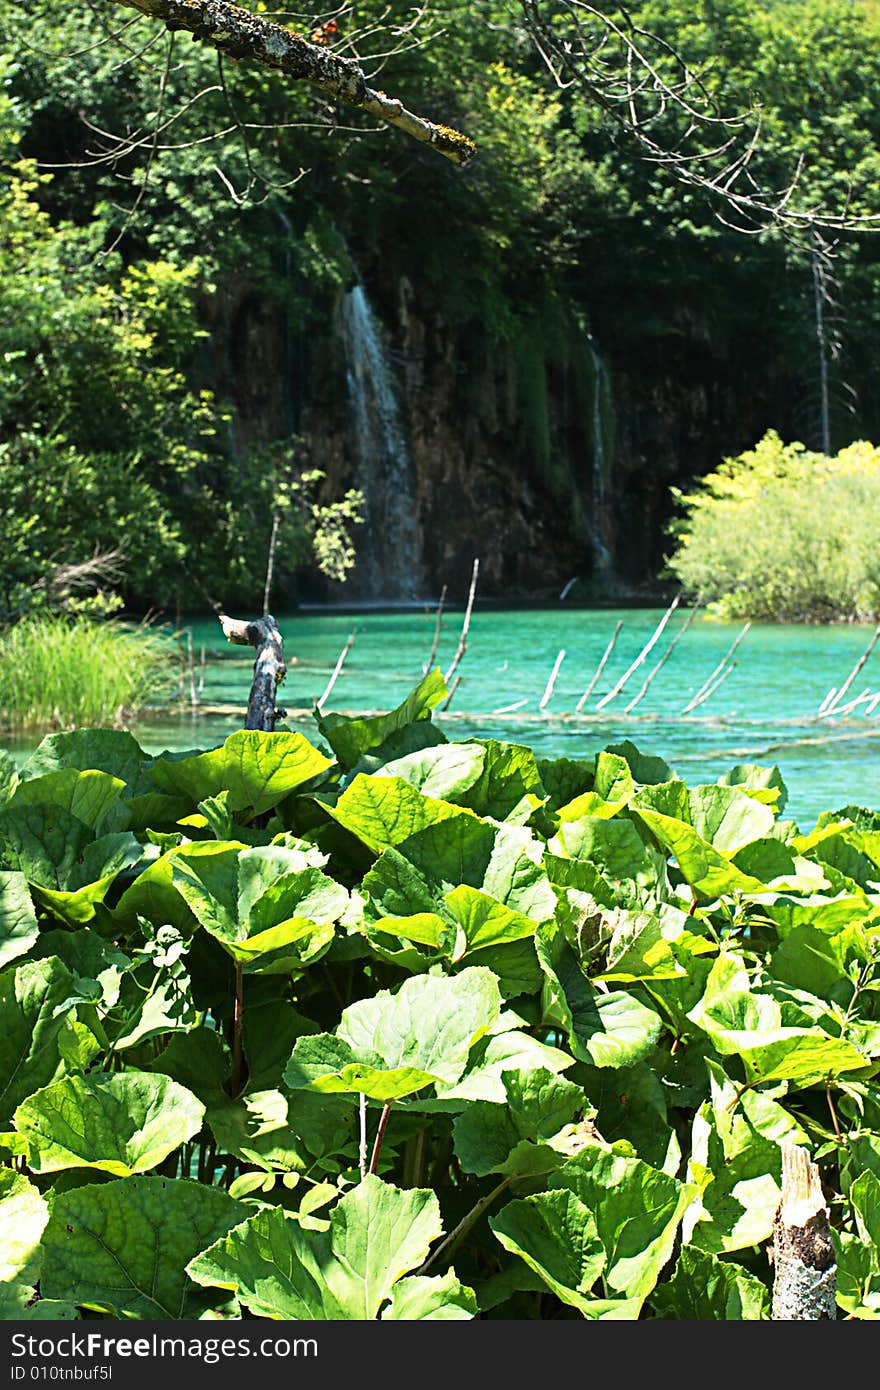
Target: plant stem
(362, 1146)
(447, 1246)
(833, 1113)
(235, 1082)
(380, 1135)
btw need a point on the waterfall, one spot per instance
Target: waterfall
(388, 543)
(599, 521)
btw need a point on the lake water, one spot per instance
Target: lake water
(764, 711)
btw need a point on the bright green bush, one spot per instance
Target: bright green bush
(61, 673)
(784, 534)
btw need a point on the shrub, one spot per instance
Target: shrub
(785, 534)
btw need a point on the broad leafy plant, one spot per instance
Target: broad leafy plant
(382, 1026)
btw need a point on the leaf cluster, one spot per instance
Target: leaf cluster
(385, 1026)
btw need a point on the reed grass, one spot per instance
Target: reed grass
(63, 673)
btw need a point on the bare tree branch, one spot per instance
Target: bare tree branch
(238, 33)
(648, 89)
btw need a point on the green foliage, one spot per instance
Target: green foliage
(59, 671)
(784, 534)
(105, 444)
(501, 1058)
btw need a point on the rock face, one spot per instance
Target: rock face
(549, 456)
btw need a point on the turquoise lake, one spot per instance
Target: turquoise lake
(763, 712)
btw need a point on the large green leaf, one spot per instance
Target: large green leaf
(265, 908)
(631, 1105)
(645, 768)
(32, 1007)
(749, 1025)
(858, 1255)
(556, 1235)
(376, 1234)
(116, 752)
(18, 922)
(108, 750)
(637, 1212)
(257, 770)
(395, 1044)
(763, 783)
(90, 958)
(706, 1289)
(69, 870)
(735, 1160)
(23, 1217)
(9, 776)
(728, 818)
(122, 1247)
(508, 1138)
(122, 1124)
(704, 867)
(504, 862)
(607, 1029)
(507, 1049)
(351, 738)
(384, 811)
(857, 1272)
(493, 779)
(613, 846)
(90, 795)
(563, 779)
(419, 1299)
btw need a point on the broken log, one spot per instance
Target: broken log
(805, 1272)
(269, 667)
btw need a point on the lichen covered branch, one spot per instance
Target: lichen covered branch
(239, 34)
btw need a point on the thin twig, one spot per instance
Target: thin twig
(270, 562)
(508, 709)
(829, 709)
(193, 696)
(854, 704)
(434, 645)
(340, 662)
(462, 641)
(470, 1219)
(599, 669)
(448, 701)
(712, 688)
(548, 689)
(655, 637)
(237, 1079)
(664, 658)
(718, 669)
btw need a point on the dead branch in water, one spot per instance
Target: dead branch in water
(269, 667)
(462, 641)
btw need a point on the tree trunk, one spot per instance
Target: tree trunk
(805, 1280)
(269, 666)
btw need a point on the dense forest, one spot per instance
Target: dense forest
(227, 304)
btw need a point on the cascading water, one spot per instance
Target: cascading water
(388, 542)
(604, 566)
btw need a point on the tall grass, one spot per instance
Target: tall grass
(63, 673)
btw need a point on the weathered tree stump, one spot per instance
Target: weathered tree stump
(269, 666)
(805, 1278)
